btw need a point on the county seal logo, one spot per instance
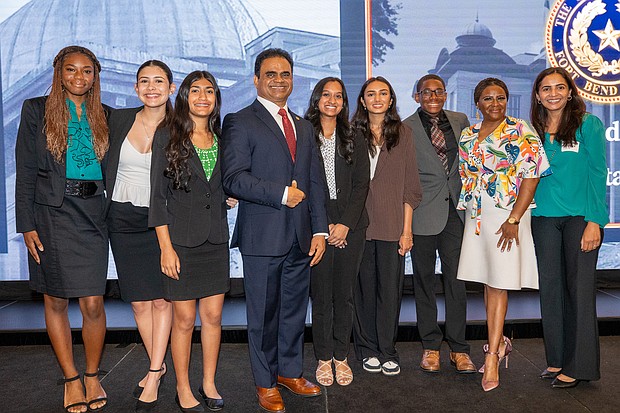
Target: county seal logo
(582, 37)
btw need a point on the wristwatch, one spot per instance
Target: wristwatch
(513, 221)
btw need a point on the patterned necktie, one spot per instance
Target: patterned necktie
(289, 133)
(438, 140)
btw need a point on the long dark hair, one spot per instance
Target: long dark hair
(57, 114)
(572, 115)
(391, 122)
(343, 127)
(158, 63)
(180, 147)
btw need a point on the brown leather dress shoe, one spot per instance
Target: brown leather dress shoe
(300, 386)
(430, 361)
(270, 399)
(462, 362)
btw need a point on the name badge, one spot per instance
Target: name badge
(574, 148)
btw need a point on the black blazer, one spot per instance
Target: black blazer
(39, 178)
(193, 216)
(351, 187)
(119, 123)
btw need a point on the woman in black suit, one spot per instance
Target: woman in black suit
(59, 207)
(134, 244)
(188, 211)
(347, 172)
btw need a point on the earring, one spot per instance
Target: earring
(570, 97)
(538, 101)
(477, 114)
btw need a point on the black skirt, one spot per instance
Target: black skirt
(136, 253)
(204, 272)
(74, 262)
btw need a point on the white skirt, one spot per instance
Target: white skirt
(481, 261)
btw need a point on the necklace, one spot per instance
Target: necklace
(149, 136)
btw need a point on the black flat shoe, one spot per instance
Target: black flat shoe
(546, 374)
(559, 384)
(196, 409)
(212, 404)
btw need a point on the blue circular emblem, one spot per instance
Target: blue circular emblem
(583, 37)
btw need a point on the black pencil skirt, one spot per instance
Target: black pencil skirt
(74, 262)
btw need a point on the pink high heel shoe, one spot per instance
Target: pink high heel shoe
(488, 385)
(507, 351)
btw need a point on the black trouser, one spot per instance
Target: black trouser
(377, 301)
(567, 296)
(332, 283)
(448, 243)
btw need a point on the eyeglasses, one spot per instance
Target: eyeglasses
(427, 93)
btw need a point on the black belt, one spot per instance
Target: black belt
(80, 188)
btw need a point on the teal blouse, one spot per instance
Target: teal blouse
(208, 157)
(578, 185)
(82, 163)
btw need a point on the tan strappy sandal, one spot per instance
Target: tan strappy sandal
(344, 374)
(324, 373)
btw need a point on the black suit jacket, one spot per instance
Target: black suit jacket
(351, 187)
(193, 216)
(119, 123)
(39, 178)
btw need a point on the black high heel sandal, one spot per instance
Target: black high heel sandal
(137, 391)
(98, 399)
(148, 406)
(62, 382)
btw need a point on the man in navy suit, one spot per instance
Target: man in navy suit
(271, 164)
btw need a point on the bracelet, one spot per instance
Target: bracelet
(410, 237)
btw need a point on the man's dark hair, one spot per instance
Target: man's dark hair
(266, 54)
(418, 85)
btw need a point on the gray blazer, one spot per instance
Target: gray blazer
(430, 217)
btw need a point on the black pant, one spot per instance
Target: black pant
(377, 301)
(331, 289)
(567, 296)
(448, 243)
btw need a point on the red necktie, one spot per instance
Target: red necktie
(289, 133)
(438, 140)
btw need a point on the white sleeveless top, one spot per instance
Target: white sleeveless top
(133, 180)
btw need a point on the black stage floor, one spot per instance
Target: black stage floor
(28, 370)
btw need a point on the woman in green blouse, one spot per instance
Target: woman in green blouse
(188, 210)
(59, 207)
(567, 226)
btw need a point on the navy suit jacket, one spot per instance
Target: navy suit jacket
(256, 167)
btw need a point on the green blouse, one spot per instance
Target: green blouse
(81, 161)
(578, 184)
(208, 157)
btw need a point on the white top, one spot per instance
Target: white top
(133, 183)
(374, 160)
(328, 150)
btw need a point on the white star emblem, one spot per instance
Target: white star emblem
(609, 36)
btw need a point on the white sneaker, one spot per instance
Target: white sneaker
(390, 368)
(372, 365)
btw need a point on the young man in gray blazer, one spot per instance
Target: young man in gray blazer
(437, 225)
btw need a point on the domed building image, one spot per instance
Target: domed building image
(222, 37)
(476, 57)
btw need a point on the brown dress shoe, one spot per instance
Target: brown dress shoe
(300, 386)
(430, 361)
(462, 362)
(270, 399)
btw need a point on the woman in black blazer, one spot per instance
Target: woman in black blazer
(347, 172)
(134, 244)
(59, 207)
(188, 211)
